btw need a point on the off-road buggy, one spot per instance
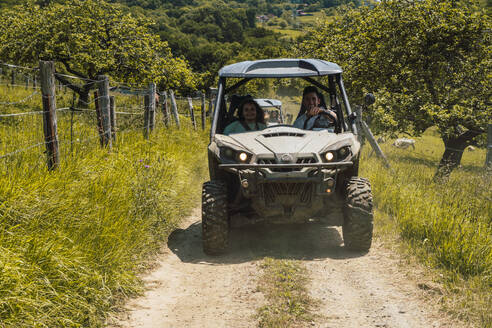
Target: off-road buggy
(273, 110)
(282, 173)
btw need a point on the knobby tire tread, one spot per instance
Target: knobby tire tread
(358, 215)
(215, 225)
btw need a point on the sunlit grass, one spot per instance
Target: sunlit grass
(284, 284)
(73, 240)
(448, 224)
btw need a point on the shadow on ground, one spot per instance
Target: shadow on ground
(307, 241)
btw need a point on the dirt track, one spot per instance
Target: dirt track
(190, 289)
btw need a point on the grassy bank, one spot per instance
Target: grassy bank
(72, 241)
(449, 225)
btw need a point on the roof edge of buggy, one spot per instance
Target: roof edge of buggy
(264, 102)
(286, 67)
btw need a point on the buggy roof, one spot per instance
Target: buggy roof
(268, 102)
(280, 68)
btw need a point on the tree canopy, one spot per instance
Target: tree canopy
(429, 63)
(89, 38)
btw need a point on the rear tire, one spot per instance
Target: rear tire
(215, 217)
(358, 216)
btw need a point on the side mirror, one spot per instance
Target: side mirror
(369, 99)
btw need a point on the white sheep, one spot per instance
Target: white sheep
(404, 143)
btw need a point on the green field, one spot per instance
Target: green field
(448, 225)
(300, 26)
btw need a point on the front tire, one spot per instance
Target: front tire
(358, 215)
(215, 217)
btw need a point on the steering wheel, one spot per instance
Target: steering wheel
(329, 120)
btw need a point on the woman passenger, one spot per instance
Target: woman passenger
(251, 118)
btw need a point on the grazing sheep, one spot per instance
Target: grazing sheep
(404, 143)
(470, 148)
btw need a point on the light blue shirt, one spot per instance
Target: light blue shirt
(323, 122)
(237, 127)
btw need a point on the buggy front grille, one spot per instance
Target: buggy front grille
(300, 160)
(305, 160)
(274, 192)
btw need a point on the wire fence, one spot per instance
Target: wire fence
(78, 121)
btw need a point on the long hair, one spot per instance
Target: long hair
(260, 115)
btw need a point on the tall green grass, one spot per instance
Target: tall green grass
(72, 241)
(449, 224)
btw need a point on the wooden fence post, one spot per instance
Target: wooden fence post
(165, 109)
(98, 116)
(47, 71)
(149, 114)
(146, 117)
(104, 104)
(192, 112)
(203, 111)
(12, 77)
(34, 81)
(112, 117)
(488, 158)
(174, 108)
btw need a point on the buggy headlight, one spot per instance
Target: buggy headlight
(329, 156)
(233, 155)
(229, 152)
(343, 152)
(243, 157)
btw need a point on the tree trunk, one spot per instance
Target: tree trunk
(453, 152)
(84, 92)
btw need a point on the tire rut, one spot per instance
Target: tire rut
(354, 289)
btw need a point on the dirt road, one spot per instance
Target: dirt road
(190, 289)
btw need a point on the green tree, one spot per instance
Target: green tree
(89, 38)
(429, 62)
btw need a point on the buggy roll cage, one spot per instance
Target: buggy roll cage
(284, 68)
(271, 103)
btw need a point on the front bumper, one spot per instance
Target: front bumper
(288, 190)
(337, 165)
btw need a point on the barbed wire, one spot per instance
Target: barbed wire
(22, 114)
(128, 113)
(18, 85)
(20, 101)
(24, 149)
(17, 66)
(76, 77)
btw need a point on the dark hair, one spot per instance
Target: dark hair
(310, 89)
(260, 115)
(307, 90)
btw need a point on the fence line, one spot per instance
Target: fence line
(17, 66)
(74, 131)
(20, 101)
(76, 77)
